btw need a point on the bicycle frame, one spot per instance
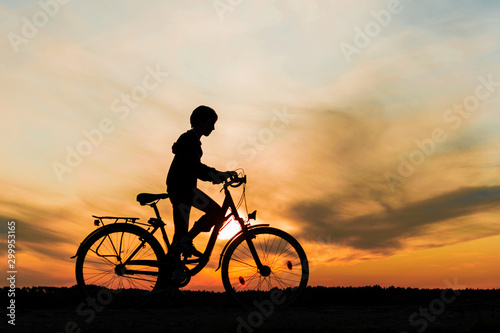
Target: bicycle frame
(222, 217)
(227, 205)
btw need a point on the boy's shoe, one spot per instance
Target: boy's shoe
(185, 245)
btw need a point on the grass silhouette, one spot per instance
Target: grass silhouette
(320, 309)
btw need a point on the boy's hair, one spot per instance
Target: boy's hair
(201, 114)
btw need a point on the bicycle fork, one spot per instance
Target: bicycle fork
(264, 270)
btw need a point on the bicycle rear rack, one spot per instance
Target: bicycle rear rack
(99, 220)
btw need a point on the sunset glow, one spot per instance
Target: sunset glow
(230, 229)
(368, 130)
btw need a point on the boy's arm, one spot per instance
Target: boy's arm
(207, 173)
(215, 176)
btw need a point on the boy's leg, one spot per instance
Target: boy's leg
(181, 208)
(212, 211)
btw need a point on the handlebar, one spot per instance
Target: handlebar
(235, 182)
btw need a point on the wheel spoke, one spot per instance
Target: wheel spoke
(244, 263)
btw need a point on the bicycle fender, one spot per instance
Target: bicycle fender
(256, 226)
(90, 235)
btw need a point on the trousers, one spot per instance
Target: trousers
(181, 206)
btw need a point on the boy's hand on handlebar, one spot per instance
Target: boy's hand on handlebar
(223, 176)
(232, 174)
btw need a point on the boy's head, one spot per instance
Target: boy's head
(203, 119)
(201, 114)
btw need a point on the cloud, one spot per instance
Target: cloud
(37, 239)
(388, 230)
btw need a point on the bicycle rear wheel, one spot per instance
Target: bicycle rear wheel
(283, 277)
(119, 266)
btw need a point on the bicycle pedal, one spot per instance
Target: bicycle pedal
(189, 254)
(186, 255)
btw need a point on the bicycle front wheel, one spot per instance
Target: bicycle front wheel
(119, 265)
(281, 279)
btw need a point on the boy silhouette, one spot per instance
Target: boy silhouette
(185, 170)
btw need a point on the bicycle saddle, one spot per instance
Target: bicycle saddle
(147, 198)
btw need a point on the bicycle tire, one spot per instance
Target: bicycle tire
(278, 250)
(100, 276)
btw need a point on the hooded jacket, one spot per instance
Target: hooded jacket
(186, 167)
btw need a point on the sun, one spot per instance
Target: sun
(231, 229)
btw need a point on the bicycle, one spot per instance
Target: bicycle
(127, 263)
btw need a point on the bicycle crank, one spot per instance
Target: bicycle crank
(181, 276)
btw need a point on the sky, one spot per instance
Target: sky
(367, 129)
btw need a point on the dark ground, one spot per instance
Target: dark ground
(369, 309)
